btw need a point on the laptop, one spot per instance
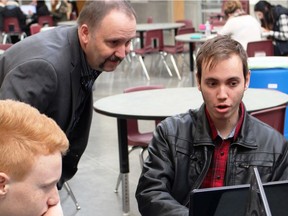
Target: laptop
(232, 200)
(28, 9)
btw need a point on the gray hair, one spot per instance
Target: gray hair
(94, 11)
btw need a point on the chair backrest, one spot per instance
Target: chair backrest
(260, 48)
(275, 117)
(35, 28)
(149, 19)
(188, 23)
(11, 25)
(45, 20)
(245, 6)
(154, 40)
(5, 46)
(132, 124)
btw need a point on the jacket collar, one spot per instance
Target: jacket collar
(202, 134)
(73, 41)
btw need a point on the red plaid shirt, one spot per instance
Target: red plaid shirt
(217, 170)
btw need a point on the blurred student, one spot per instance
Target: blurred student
(240, 26)
(2, 8)
(12, 9)
(31, 149)
(274, 22)
(41, 10)
(62, 11)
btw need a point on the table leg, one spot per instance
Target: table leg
(141, 35)
(124, 163)
(125, 194)
(191, 50)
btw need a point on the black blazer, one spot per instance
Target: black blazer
(44, 71)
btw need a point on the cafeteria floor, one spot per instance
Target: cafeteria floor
(93, 184)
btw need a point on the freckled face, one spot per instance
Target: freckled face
(107, 46)
(34, 195)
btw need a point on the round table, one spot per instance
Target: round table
(159, 104)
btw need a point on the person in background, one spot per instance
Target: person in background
(54, 70)
(41, 10)
(31, 145)
(239, 25)
(62, 11)
(12, 9)
(274, 22)
(2, 8)
(74, 9)
(215, 145)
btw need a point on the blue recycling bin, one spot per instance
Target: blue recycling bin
(273, 76)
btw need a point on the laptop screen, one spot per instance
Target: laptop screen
(232, 200)
(28, 9)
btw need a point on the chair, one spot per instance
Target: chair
(5, 46)
(137, 40)
(35, 28)
(178, 48)
(245, 6)
(260, 48)
(45, 20)
(153, 44)
(70, 192)
(188, 23)
(12, 28)
(275, 117)
(136, 139)
(149, 19)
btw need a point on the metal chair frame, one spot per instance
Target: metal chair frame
(178, 48)
(70, 192)
(154, 43)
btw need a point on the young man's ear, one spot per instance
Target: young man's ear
(4, 179)
(247, 80)
(198, 84)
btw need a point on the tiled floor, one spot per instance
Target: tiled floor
(94, 183)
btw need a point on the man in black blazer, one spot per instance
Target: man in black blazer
(54, 70)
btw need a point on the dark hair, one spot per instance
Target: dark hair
(267, 9)
(93, 12)
(217, 49)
